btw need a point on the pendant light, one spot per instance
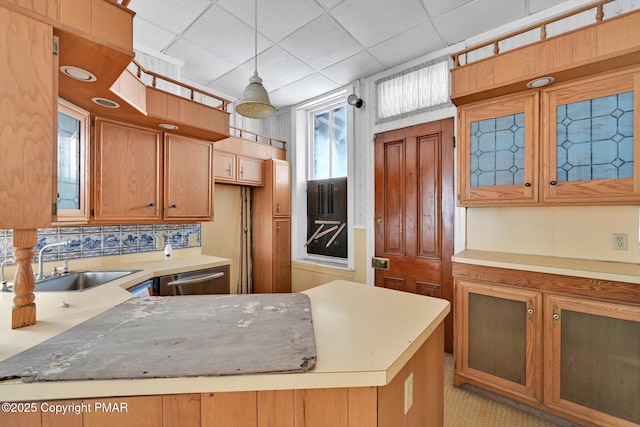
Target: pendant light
(255, 102)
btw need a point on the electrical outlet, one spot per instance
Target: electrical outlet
(192, 239)
(619, 241)
(159, 241)
(408, 393)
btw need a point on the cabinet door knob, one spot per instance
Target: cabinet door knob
(151, 204)
(278, 228)
(553, 183)
(278, 207)
(174, 206)
(527, 184)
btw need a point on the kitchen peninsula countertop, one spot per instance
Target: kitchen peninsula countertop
(601, 270)
(364, 336)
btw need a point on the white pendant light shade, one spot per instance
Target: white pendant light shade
(255, 102)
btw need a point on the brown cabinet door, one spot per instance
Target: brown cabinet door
(27, 121)
(281, 188)
(498, 153)
(188, 178)
(249, 171)
(225, 167)
(499, 337)
(282, 255)
(591, 360)
(127, 170)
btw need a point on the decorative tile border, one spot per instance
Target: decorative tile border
(95, 241)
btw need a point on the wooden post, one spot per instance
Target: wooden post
(24, 309)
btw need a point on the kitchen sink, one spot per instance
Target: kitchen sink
(79, 280)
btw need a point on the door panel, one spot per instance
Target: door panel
(414, 208)
(393, 190)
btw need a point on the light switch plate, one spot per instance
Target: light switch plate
(192, 240)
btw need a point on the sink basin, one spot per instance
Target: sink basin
(79, 280)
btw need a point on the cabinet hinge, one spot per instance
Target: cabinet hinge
(454, 142)
(54, 209)
(56, 47)
(92, 212)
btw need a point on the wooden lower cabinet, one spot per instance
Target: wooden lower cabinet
(556, 343)
(500, 337)
(324, 407)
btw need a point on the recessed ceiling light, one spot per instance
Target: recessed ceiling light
(78, 73)
(168, 126)
(104, 102)
(541, 81)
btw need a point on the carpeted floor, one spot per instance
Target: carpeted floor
(463, 408)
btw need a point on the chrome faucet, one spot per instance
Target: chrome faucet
(40, 274)
(5, 288)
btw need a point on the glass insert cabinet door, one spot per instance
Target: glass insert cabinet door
(499, 151)
(72, 200)
(591, 128)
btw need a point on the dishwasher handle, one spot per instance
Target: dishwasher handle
(195, 280)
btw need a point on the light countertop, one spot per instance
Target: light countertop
(364, 336)
(601, 270)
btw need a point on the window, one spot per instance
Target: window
(323, 161)
(421, 88)
(329, 143)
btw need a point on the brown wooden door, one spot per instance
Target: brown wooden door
(414, 211)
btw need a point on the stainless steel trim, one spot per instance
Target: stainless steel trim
(196, 279)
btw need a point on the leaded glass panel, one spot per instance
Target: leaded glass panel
(594, 139)
(497, 151)
(68, 162)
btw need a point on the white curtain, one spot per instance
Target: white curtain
(421, 88)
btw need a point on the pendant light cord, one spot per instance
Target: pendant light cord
(255, 58)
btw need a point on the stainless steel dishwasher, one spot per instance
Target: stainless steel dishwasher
(199, 282)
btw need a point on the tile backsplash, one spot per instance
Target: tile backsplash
(96, 241)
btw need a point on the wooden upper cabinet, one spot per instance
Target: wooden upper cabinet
(279, 172)
(236, 169)
(71, 176)
(499, 151)
(188, 178)
(249, 170)
(573, 143)
(28, 105)
(127, 173)
(591, 129)
(225, 167)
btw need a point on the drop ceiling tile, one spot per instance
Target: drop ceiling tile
(476, 18)
(174, 16)
(224, 35)
(321, 43)
(151, 36)
(328, 4)
(371, 23)
(412, 44)
(232, 83)
(302, 90)
(278, 67)
(440, 7)
(358, 66)
(198, 61)
(276, 18)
